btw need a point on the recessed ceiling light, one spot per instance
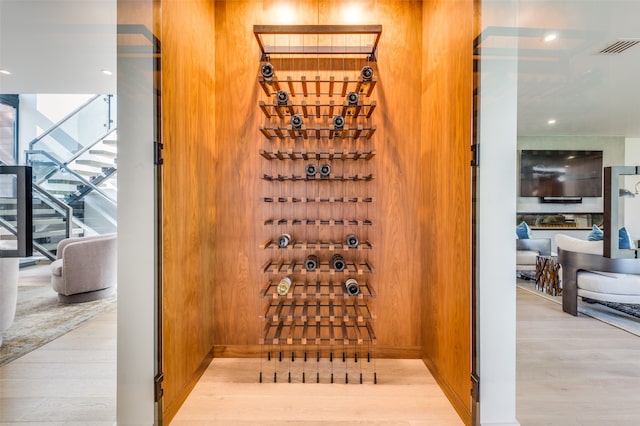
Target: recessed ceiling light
(550, 37)
(106, 72)
(5, 72)
(551, 121)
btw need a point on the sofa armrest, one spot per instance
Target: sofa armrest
(541, 245)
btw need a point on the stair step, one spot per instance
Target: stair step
(104, 153)
(70, 181)
(50, 233)
(95, 163)
(49, 221)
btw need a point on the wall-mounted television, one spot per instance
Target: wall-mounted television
(560, 173)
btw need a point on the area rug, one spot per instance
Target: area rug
(40, 318)
(627, 308)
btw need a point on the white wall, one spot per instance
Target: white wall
(495, 261)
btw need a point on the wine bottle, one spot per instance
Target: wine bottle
(325, 170)
(352, 98)
(282, 96)
(267, 71)
(283, 286)
(338, 263)
(311, 262)
(284, 240)
(366, 73)
(296, 121)
(352, 241)
(338, 122)
(311, 170)
(352, 287)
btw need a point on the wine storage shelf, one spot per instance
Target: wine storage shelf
(324, 119)
(336, 178)
(315, 290)
(301, 245)
(288, 133)
(297, 267)
(339, 312)
(317, 200)
(318, 333)
(317, 86)
(319, 222)
(310, 155)
(317, 109)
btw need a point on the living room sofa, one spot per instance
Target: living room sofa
(528, 250)
(587, 273)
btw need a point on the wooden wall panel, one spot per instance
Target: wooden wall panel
(396, 256)
(445, 215)
(189, 188)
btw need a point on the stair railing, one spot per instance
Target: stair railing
(61, 164)
(66, 168)
(64, 119)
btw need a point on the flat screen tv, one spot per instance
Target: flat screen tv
(556, 173)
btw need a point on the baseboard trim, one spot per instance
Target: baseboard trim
(455, 400)
(255, 351)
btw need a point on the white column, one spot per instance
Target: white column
(496, 222)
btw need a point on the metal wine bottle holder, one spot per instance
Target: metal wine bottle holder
(318, 296)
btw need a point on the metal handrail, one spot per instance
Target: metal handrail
(74, 157)
(71, 171)
(63, 120)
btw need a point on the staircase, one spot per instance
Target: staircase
(74, 166)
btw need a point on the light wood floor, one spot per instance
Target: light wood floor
(570, 371)
(574, 370)
(229, 394)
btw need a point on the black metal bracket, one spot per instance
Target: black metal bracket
(475, 155)
(157, 153)
(158, 392)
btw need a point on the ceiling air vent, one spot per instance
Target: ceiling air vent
(619, 46)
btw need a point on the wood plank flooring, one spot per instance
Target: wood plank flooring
(570, 371)
(573, 370)
(229, 394)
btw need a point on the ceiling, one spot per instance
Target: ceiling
(58, 46)
(568, 79)
(63, 47)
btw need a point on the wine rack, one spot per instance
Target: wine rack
(317, 136)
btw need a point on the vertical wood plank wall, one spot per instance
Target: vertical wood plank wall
(397, 256)
(213, 221)
(445, 217)
(189, 188)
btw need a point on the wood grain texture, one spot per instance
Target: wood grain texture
(214, 219)
(445, 211)
(189, 188)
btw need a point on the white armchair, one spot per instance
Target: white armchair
(85, 268)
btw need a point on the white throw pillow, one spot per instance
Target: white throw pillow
(566, 242)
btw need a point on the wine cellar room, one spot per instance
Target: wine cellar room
(323, 146)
